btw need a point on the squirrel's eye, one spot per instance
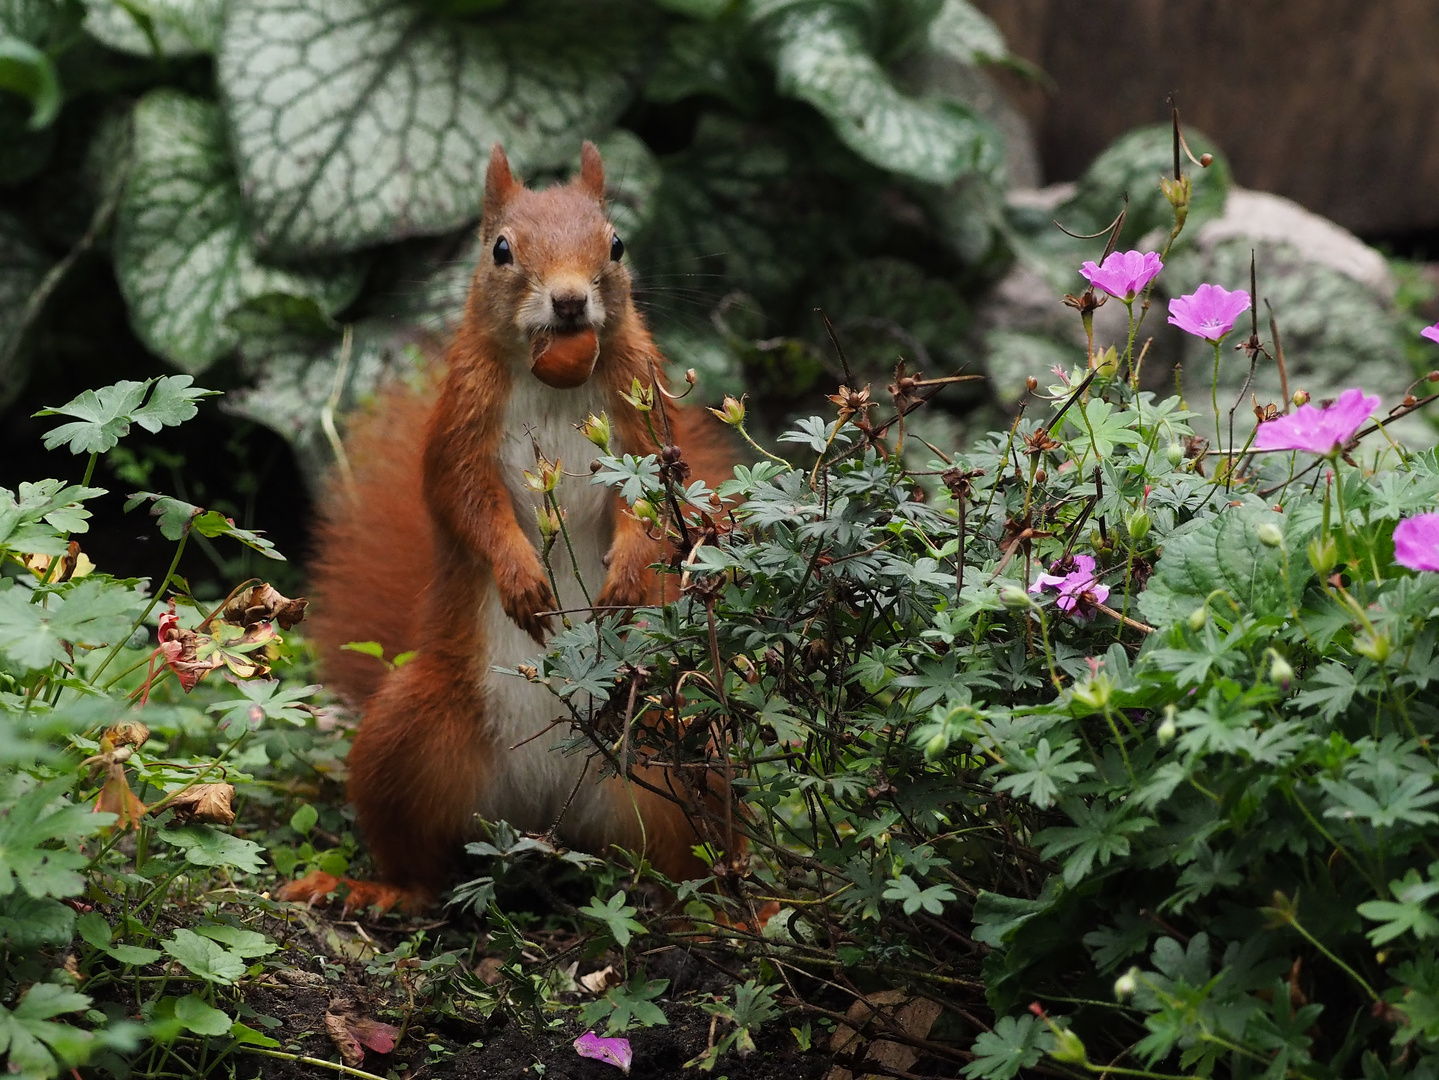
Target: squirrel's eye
(617, 249)
(503, 255)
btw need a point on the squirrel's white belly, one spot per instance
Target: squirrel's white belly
(531, 782)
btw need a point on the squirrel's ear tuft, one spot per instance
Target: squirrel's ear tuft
(592, 172)
(500, 185)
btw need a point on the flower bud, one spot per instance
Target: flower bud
(1280, 673)
(1031, 384)
(1138, 525)
(937, 745)
(1301, 397)
(1174, 452)
(1068, 1047)
(731, 412)
(545, 478)
(691, 376)
(1206, 160)
(1271, 535)
(1177, 192)
(547, 523)
(644, 510)
(1015, 598)
(1323, 555)
(1167, 728)
(597, 430)
(1198, 617)
(1106, 363)
(1126, 984)
(1375, 646)
(1095, 692)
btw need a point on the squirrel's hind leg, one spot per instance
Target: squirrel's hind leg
(416, 767)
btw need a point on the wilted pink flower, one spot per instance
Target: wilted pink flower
(1076, 588)
(614, 1052)
(1319, 431)
(1430, 332)
(1416, 542)
(1124, 274)
(1208, 312)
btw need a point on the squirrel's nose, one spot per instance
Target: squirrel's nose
(569, 306)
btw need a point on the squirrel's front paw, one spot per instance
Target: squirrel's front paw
(524, 596)
(629, 580)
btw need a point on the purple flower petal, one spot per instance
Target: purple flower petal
(614, 1052)
(1077, 588)
(1046, 581)
(1416, 542)
(1208, 312)
(1124, 274)
(1430, 332)
(1318, 431)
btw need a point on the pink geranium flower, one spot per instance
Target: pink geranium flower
(1430, 332)
(1124, 274)
(1319, 431)
(1076, 588)
(1208, 312)
(1416, 542)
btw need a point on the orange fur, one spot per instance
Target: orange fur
(433, 528)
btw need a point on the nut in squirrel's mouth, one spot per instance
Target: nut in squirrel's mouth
(564, 358)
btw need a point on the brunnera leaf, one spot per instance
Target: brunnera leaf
(360, 121)
(183, 256)
(820, 57)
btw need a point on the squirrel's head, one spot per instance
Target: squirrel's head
(551, 275)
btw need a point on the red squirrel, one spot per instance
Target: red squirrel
(434, 548)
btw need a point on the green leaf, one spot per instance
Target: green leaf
(1408, 915)
(178, 517)
(1225, 553)
(1015, 1043)
(962, 31)
(698, 9)
(169, 28)
(820, 57)
(362, 121)
(22, 267)
(183, 257)
(304, 819)
(204, 846)
(243, 943)
(275, 701)
(92, 613)
(30, 828)
(1039, 777)
(200, 1017)
(104, 417)
(33, 518)
(1098, 834)
(29, 922)
(905, 889)
(629, 1004)
(617, 917)
(27, 71)
(95, 930)
(36, 1046)
(204, 958)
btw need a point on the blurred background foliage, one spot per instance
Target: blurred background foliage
(281, 195)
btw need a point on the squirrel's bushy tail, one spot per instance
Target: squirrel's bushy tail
(372, 552)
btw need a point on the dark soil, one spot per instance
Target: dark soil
(442, 1041)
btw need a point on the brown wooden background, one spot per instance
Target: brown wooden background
(1333, 103)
